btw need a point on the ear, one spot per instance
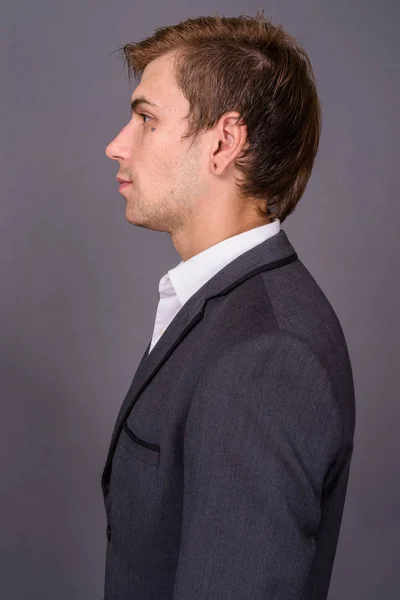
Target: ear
(229, 140)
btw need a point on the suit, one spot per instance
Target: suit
(229, 461)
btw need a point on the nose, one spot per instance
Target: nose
(114, 151)
(118, 149)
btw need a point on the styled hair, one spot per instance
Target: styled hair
(249, 65)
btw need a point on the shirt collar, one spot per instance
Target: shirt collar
(189, 276)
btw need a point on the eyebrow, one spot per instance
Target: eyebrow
(142, 100)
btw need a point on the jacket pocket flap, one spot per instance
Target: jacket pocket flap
(140, 449)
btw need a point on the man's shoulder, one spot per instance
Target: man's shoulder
(289, 301)
(301, 307)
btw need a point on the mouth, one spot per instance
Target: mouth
(124, 184)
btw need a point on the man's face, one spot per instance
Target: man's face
(168, 178)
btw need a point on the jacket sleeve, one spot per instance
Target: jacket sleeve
(262, 430)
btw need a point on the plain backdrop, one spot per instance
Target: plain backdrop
(79, 284)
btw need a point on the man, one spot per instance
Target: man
(229, 461)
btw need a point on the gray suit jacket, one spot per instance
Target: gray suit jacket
(228, 465)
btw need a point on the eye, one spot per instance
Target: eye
(143, 115)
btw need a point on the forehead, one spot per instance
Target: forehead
(158, 84)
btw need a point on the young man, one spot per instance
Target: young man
(229, 461)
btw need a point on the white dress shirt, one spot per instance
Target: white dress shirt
(181, 282)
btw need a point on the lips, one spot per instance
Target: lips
(124, 185)
(120, 180)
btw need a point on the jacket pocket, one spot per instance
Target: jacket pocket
(140, 449)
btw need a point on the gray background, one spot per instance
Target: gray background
(79, 284)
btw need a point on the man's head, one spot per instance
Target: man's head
(168, 176)
(232, 140)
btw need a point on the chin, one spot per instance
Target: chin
(133, 220)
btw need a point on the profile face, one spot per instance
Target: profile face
(164, 172)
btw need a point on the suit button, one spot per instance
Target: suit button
(108, 531)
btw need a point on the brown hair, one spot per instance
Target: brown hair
(251, 66)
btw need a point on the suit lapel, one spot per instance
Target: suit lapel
(270, 254)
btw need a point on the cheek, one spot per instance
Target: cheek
(165, 159)
(160, 155)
